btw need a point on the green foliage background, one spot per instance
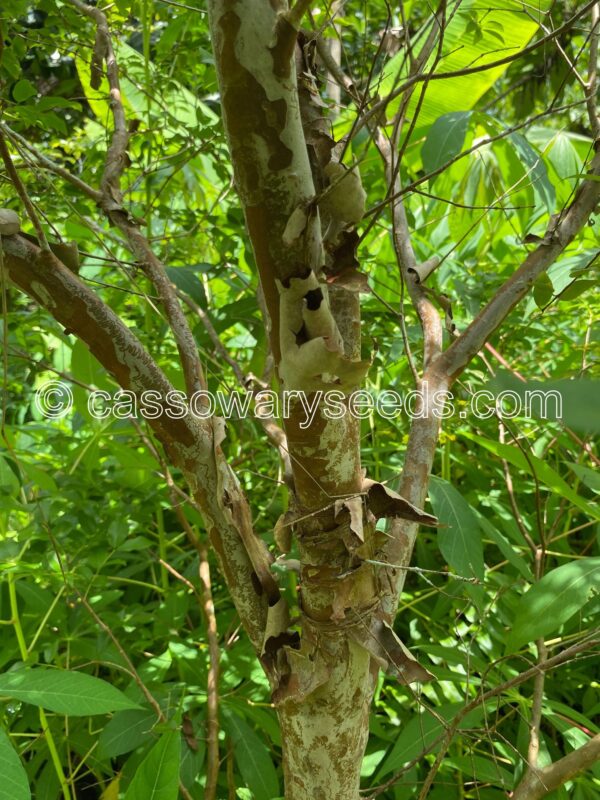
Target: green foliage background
(85, 511)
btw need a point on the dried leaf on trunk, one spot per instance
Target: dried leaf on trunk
(385, 503)
(354, 505)
(387, 649)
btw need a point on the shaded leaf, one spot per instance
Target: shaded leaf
(252, 758)
(543, 290)
(23, 90)
(445, 139)
(125, 731)
(460, 541)
(552, 601)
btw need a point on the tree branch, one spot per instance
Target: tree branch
(424, 430)
(538, 783)
(275, 433)
(191, 443)
(22, 192)
(116, 156)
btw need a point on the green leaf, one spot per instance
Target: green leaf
(157, 777)
(23, 90)
(445, 139)
(8, 479)
(85, 367)
(64, 691)
(14, 784)
(126, 731)
(576, 289)
(543, 290)
(552, 601)
(462, 50)
(460, 541)
(505, 547)
(536, 169)
(252, 758)
(587, 476)
(543, 471)
(187, 281)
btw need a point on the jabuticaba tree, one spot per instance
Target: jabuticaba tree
(304, 206)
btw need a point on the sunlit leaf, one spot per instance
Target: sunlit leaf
(64, 691)
(14, 784)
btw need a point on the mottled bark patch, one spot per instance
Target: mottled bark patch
(250, 112)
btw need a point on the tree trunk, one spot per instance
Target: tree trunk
(323, 686)
(324, 737)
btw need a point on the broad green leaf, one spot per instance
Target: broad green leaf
(86, 367)
(186, 279)
(460, 541)
(525, 167)
(124, 732)
(97, 98)
(14, 784)
(8, 479)
(23, 90)
(157, 777)
(576, 289)
(543, 471)
(64, 691)
(445, 139)
(543, 290)
(252, 758)
(464, 47)
(536, 170)
(552, 601)
(587, 476)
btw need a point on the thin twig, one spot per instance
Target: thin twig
(378, 108)
(22, 192)
(52, 166)
(592, 84)
(112, 203)
(445, 738)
